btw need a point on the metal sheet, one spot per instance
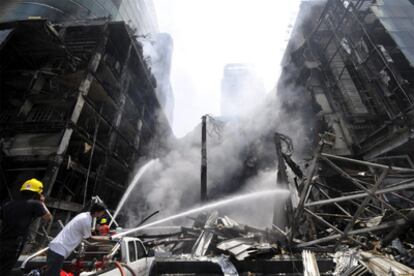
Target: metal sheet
(242, 248)
(382, 265)
(204, 240)
(310, 265)
(396, 17)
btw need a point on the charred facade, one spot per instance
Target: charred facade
(354, 63)
(78, 109)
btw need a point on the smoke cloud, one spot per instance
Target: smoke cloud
(241, 159)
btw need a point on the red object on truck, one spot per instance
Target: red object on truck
(64, 273)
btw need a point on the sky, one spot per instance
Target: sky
(208, 34)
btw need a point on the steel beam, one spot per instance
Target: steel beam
(331, 225)
(364, 203)
(366, 163)
(361, 195)
(307, 186)
(359, 185)
(380, 227)
(336, 204)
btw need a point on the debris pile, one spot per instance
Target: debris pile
(354, 202)
(217, 244)
(344, 215)
(212, 235)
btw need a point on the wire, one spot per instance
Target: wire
(215, 127)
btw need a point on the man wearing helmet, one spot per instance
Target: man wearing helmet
(103, 227)
(16, 217)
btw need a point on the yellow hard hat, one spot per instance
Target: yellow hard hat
(103, 221)
(32, 185)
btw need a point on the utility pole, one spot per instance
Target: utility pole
(203, 191)
(279, 211)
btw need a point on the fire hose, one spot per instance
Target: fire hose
(129, 269)
(120, 267)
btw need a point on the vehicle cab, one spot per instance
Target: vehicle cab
(128, 255)
(136, 255)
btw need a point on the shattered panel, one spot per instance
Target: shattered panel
(397, 18)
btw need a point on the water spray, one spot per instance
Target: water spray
(264, 193)
(131, 186)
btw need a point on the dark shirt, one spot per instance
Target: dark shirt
(17, 215)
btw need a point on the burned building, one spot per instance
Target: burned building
(356, 61)
(139, 15)
(78, 109)
(352, 61)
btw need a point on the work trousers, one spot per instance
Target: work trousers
(10, 250)
(54, 263)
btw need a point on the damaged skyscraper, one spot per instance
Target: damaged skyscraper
(354, 62)
(78, 101)
(357, 62)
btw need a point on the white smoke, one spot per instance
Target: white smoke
(173, 183)
(241, 158)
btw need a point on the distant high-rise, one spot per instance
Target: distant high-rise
(241, 89)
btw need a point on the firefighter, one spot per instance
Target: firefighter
(103, 227)
(80, 227)
(16, 217)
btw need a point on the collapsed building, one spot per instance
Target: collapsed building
(356, 62)
(354, 65)
(78, 110)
